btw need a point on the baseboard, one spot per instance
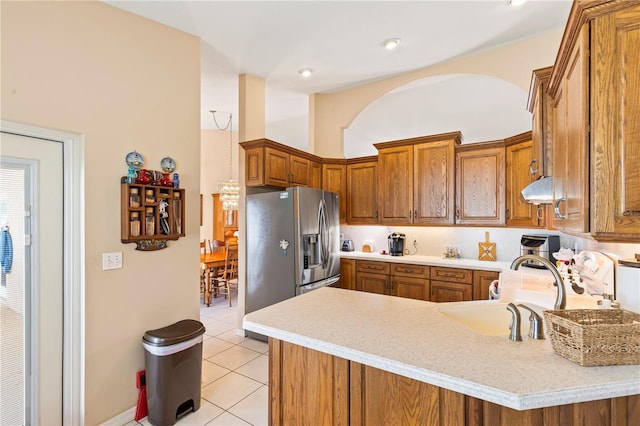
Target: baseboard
(122, 418)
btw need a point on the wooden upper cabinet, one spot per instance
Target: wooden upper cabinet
(540, 105)
(362, 175)
(315, 175)
(519, 173)
(571, 142)
(480, 184)
(334, 179)
(395, 185)
(268, 163)
(416, 180)
(434, 182)
(615, 125)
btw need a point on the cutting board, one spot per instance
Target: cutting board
(486, 249)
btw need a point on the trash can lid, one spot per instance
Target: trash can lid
(172, 334)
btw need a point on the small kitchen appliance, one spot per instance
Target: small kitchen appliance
(540, 245)
(347, 245)
(396, 244)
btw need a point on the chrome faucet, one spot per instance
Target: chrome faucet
(515, 323)
(561, 297)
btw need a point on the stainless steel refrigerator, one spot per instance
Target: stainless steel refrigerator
(293, 243)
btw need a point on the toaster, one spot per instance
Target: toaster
(347, 245)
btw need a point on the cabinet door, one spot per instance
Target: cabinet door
(481, 282)
(361, 193)
(615, 125)
(334, 179)
(372, 283)
(299, 171)
(348, 274)
(395, 185)
(570, 153)
(412, 288)
(254, 167)
(434, 183)
(450, 292)
(519, 212)
(315, 175)
(276, 167)
(480, 187)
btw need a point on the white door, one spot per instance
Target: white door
(38, 270)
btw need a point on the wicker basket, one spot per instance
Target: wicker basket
(592, 337)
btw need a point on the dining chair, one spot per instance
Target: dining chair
(203, 272)
(216, 245)
(228, 277)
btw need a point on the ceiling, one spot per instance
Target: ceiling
(341, 42)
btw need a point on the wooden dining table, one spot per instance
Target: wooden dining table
(210, 263)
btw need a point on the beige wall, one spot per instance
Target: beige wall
(330, 114)
(214, 167)
(125, 83)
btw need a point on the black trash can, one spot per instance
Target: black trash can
(173, 363)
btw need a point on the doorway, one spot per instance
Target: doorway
(40, 291)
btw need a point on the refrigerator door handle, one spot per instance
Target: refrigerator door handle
(324, 234)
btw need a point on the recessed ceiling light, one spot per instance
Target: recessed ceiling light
(517, 2)
(391, 43)
(305, 72)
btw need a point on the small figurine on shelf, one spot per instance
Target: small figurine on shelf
(143, 178)
(176, 180)
(166, 180)
(164, 216)
(131, 175)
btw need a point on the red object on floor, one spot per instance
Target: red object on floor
(141, 410)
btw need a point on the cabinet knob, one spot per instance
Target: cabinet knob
(531, 170)
(556, 208)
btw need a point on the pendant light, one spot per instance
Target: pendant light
(229, 189)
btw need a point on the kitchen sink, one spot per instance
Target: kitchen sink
(492, 318)
(488, 318)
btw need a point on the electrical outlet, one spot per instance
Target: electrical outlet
(415, 241)
(111, 261)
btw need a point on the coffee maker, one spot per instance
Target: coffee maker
(396, 244)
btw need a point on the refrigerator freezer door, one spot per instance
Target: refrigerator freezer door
(270, 268)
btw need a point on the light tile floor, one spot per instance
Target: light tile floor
(235, 373)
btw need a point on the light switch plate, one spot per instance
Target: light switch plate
(111, 260)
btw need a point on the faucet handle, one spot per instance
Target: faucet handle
(536, 331)
(515, 323)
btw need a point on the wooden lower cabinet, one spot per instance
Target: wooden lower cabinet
(481, 282)
(451, 284)
(348, 274)
(307, 387)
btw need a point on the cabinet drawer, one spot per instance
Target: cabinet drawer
(451, 274)
(407, 270)
(371, 266)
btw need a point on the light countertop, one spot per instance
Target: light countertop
(410, 338)
(429, 260)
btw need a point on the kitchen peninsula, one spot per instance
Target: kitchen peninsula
(346, 357)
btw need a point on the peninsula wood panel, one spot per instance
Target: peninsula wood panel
(615, 125)
(362, 202)
(307, 387)
(382, 398)
(395, 185)
(480, 186)
(434, 183)
(314, 388)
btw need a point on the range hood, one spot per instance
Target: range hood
(539, 191)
